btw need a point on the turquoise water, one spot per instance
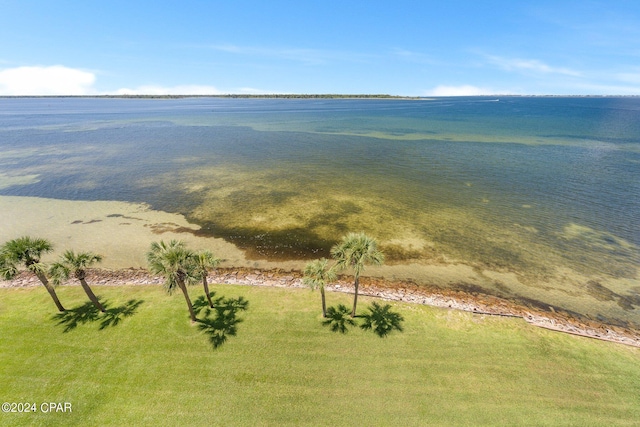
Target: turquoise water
(541, 188)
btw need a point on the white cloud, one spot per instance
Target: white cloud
(464, 90)
(53, 80)
(64, 81)
(169, 90)
(530, 65)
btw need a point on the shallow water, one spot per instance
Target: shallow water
(537, 196)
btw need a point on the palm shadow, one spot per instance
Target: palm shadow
(221, 321)
(339, 319)
(89, 313)
(381, 320)
(71, 318)
(113, 316)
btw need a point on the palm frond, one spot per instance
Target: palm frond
(27, 249)
(317, 275)
(174, 261)
(38, 268)
(355, 251)
(205, 261)
(8, 268)
(59, 272)
(80, 260)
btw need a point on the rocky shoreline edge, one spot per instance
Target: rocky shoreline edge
(474, 302)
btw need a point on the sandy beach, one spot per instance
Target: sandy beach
(122, 233)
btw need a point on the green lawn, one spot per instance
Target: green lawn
(284, 368)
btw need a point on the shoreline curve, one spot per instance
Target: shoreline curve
(473, 302)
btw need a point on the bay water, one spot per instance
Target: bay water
(538, 196)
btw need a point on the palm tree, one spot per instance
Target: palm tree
(76, 264)
(355, 251)
(177, 264)
(205, 261)
(316, 275)
(27, 251)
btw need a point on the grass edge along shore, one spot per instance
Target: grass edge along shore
(284, 368)
(475, 302)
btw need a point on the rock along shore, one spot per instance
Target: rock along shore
(474, 302)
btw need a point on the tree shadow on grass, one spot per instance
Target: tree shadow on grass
(339, 319)
(88, 313)
(220, 321)
(113, 316)
(381, 320)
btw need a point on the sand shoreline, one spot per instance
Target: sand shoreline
(122, 232)
(474, 302)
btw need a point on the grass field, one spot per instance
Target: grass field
(150, 366)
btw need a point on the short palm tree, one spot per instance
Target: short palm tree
(76, 264)
(205, 260)
(176, 263)
(316, 275)
(355, 251)
(27, 251)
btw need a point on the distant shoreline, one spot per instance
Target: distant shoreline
(307, 96)
(247, 96)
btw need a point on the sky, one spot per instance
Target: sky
(399, 47)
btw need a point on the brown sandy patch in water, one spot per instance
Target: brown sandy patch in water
(122, 233)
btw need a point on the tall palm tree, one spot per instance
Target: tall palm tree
(355, 251)
(205, 260)
(76, 264)
(176, 263)
(27, 251)
(316, 275)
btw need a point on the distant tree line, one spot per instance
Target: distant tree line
(248, 96)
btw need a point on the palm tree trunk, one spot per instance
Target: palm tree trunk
(91, 295)
(183, 288)
(51, 291)
(206, 290)
(355, 298)
(324, 304)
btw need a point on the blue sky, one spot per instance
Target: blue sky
(399, 47)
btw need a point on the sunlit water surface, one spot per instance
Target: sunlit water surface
(543, 190)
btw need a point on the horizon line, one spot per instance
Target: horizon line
(318, 95)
